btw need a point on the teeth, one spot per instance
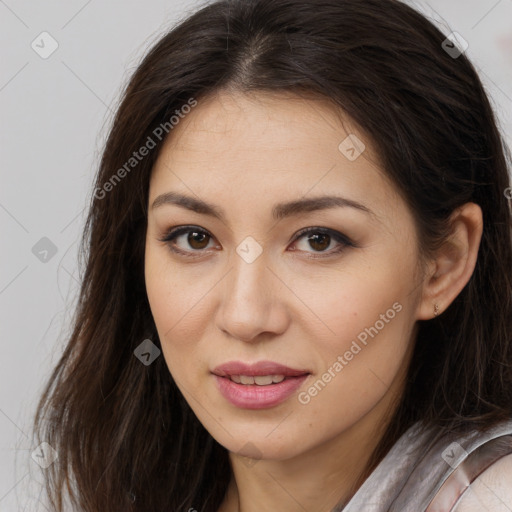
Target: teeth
(246, 379)
(263, 380)
(259, 380)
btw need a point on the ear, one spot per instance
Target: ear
(454, 262)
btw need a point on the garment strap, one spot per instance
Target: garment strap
(468, 471)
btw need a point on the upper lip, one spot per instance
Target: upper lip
(255, 369)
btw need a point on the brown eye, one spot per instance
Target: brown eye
(187, 240)
(319, 241)
(196, 239)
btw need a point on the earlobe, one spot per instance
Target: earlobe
(454, 262)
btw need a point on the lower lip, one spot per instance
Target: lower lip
(252, 396)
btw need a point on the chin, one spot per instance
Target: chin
(259, 445)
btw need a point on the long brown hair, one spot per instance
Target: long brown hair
(126, 438)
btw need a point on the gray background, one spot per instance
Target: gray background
(55, 114)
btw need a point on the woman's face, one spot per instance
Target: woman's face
(267, 272)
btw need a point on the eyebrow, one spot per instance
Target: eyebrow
(279, 211)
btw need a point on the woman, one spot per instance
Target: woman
(298, 291)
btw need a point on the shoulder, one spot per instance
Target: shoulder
(492, 490)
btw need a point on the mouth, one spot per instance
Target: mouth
(258, 380)
(258, 386)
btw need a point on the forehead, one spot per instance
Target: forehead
(270, 122)
(271, 147)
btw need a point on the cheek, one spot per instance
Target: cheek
(172, 293)
(367, 348)
(367, 319)
(347, 305)
(362, 360)
(174, 302)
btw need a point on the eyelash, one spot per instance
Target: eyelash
(342, 239)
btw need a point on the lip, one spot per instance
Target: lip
(252, 396)
(255, 369)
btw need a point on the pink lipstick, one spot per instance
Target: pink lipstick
(257, 386)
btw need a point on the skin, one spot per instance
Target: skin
(491, 490)
(244, 154)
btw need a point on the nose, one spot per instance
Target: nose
(252, 302)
